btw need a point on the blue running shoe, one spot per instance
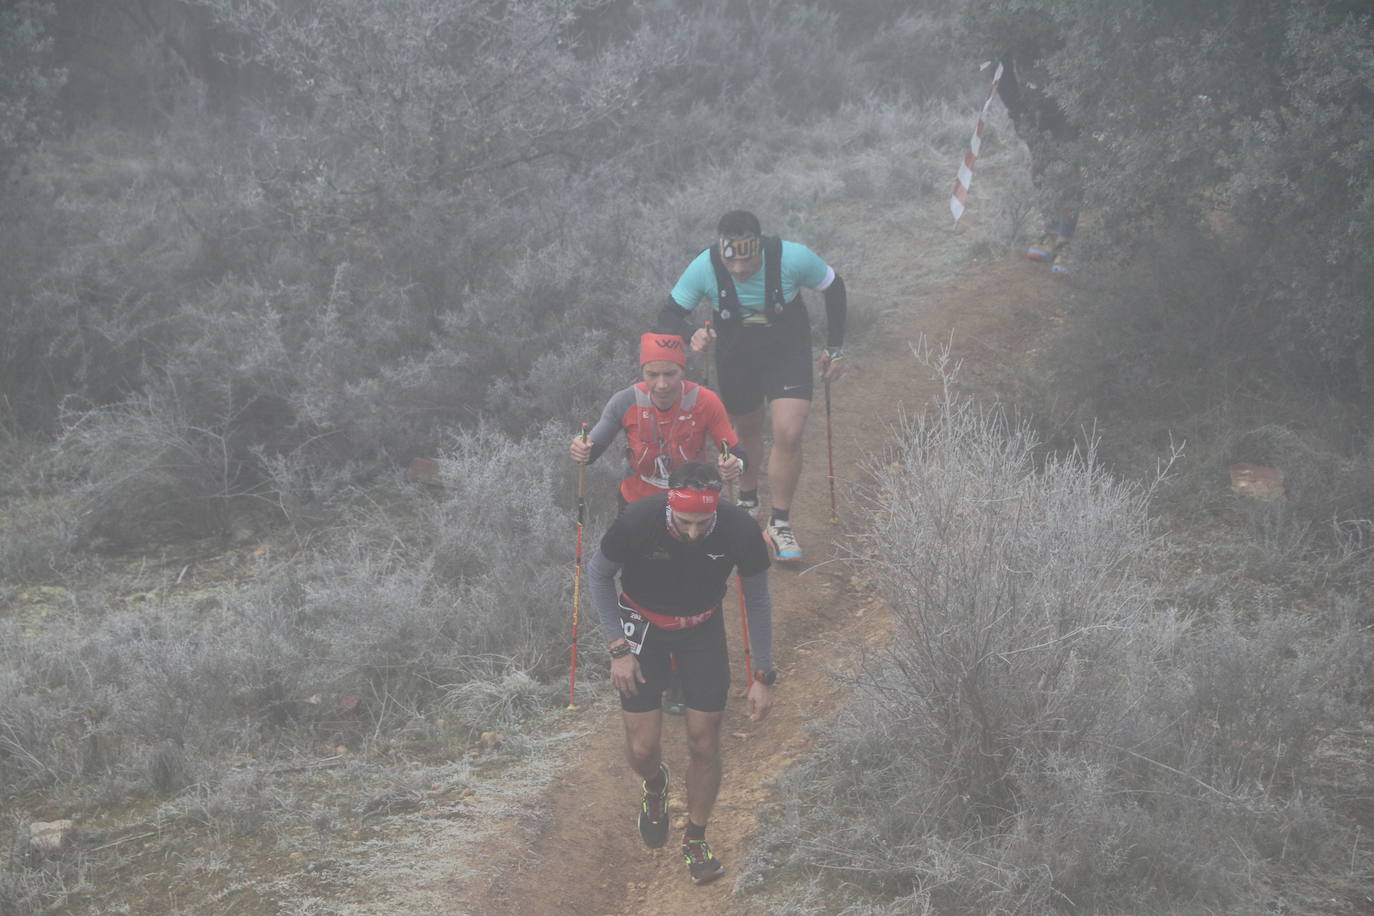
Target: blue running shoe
(784, 542)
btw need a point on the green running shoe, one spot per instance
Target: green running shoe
(653, 813)
(701, 864)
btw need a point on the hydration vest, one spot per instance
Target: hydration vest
(649, 440)
(728, 314)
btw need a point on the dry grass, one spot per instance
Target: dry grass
(1044, 732)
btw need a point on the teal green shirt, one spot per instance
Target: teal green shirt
(802, 268)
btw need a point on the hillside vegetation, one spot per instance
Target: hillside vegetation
(258, 254)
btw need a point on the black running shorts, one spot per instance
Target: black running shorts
(702, 659)
(758, 363)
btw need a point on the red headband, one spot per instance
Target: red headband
(685, 499)
(661, 346)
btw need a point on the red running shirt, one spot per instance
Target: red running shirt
(657, 441)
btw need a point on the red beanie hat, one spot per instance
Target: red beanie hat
(661, 346)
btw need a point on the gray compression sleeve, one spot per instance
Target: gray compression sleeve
(601, 573)
(758, 607)
(608, 425)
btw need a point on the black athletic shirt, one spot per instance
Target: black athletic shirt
(667, 576)
(675, 577)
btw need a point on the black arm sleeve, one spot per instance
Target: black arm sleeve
(836, 307)
(738, 451)
(674, 319)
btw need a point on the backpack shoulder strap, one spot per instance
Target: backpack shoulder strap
(689, 395)
(772, 275)
(727, 300)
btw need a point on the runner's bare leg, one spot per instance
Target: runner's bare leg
(749, 426)
(643, 741)
(703, 771)
(785, 463)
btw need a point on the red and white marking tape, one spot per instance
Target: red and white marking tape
(962, 180)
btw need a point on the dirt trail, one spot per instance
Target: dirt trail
(586, 857)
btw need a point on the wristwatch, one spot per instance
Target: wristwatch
(766, 678)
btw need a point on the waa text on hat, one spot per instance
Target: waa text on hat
(661, 346)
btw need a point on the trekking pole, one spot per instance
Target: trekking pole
(743, 613)
(577, 574)
(829, 446)
(707, 383)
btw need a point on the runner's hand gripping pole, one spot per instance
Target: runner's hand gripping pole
(577, 574)
(743, 612)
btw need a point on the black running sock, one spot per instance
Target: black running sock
(655, 784)
(749, 496)
(780, 515)
(693, 832)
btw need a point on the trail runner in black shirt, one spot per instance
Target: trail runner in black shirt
(674, 553)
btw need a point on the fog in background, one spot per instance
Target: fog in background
(256, 256)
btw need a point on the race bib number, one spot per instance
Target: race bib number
(634, 626)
